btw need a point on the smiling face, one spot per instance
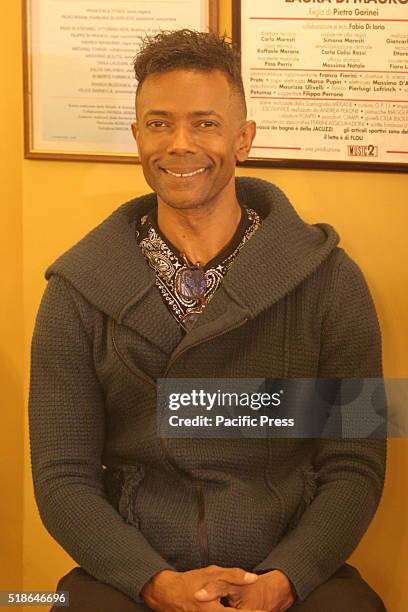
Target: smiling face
(190, 131)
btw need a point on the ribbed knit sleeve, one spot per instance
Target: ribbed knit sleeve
(66, 424)
(349, 473)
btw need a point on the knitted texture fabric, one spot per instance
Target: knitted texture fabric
(126, 504)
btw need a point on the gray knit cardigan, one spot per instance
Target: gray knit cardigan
(126, 504)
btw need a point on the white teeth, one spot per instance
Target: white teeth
(187, 174)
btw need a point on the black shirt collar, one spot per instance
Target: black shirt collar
(226, 251)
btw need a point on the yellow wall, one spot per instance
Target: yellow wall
(47, 206)
(11, 308)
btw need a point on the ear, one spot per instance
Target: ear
(245, 139)
(135, 130)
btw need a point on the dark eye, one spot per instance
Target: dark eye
(155, 122)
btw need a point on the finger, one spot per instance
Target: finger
(228, 579)
(213, 590)
(217, 607)
(243, 610)
(235, 575)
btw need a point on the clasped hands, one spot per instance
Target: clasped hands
(200, 590)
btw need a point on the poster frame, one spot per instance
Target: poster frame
(319, 164)
(29, 151)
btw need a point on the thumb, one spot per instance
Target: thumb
(249, 577)
(238, 576)
(215, 589)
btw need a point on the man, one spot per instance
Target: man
(208, 276)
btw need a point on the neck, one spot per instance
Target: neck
(203, 232)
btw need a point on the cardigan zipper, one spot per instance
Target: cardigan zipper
(139, 373)
(197, 483)
(198, 488)
(202, 528)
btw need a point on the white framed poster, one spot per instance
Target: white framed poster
(326, 82)
(79, 80)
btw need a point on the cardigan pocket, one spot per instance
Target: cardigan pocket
(295, 493)
(280, 501)
(309, 478)
(122, 485)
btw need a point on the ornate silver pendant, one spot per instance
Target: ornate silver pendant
(191, 283)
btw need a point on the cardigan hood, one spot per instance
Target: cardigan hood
(109, 270)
